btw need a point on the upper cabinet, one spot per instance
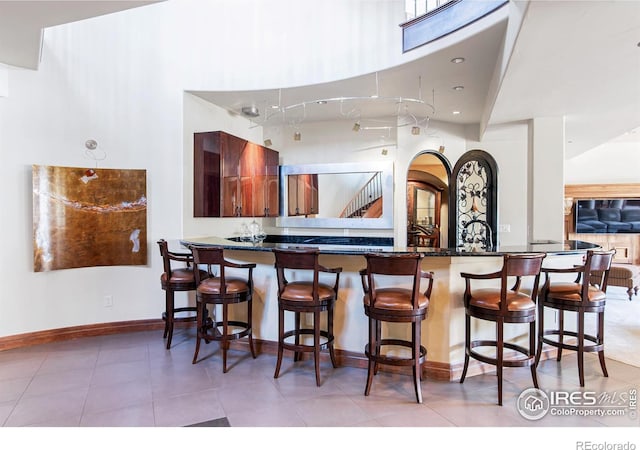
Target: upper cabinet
(233, 177)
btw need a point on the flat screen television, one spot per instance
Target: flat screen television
(611, 215)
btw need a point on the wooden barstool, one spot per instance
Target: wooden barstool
(383, 303)
(173, 280)
(224, 290)
(306, 296)
(504, 305)
(581, 296)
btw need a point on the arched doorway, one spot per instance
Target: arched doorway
(428, 200)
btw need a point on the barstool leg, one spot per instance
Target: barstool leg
(378, 344)
(316, 344)
(225, 335)
(415, 333)
(601, 342)
(331, 337)
(371, 356)
(250, 327)
(581, 347)
(467, 345)
(168, 324)
(540, 331)
(199, 328)
(297, 356)
(532, 351)
(560, 332)
(280, 339)
(500, 356)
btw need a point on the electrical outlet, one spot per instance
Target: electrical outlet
(504, 228)
(108, 301)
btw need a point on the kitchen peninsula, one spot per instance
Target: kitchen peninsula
(443, 331)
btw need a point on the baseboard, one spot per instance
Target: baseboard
(65, 334)
(433, 370)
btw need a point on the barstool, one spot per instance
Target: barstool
(174, 280)
(223, 290)
(306, 296)
(395, 304)
(504, 305)
(587, 294)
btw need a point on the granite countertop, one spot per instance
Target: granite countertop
(360, 245)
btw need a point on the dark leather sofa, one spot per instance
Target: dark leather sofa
(608, 220)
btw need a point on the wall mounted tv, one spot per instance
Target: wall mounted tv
(619, 215)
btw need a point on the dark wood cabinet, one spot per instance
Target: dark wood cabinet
(302, 194)
(233, 177)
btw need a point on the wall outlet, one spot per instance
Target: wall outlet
(108, 301)
(504, 228)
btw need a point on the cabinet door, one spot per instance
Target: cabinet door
(234, 177)
(206, 175)
(623, 244)
(271, 182)
(259, 180)
(231, 149)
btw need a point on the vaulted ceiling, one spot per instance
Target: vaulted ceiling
(576, 59)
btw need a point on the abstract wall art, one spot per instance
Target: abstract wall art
(88, 217)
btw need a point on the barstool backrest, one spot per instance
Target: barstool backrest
(213, 257)
(597, 262)
(306, 259)
(168, 256)
(398, 265)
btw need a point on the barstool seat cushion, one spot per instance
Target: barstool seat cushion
(572, 292)
(397, 299)
(180, 276)
(490, 299)
(212, 286)
(303, 291)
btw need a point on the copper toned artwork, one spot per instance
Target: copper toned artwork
(88, 217)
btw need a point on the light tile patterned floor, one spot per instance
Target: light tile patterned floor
(131, 380)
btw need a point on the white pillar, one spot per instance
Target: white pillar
(546, 179)
(4, 81)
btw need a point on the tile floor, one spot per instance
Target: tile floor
(131, 380)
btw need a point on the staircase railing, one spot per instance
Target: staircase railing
(368, 194)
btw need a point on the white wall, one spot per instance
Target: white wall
(614, 162)
(508, 145)
(120, 79)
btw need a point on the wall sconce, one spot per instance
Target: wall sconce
(441, 149)
(267, 142)
(415, 130)
(356, 126)
(297, 136)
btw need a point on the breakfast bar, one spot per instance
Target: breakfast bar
(443, 331)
